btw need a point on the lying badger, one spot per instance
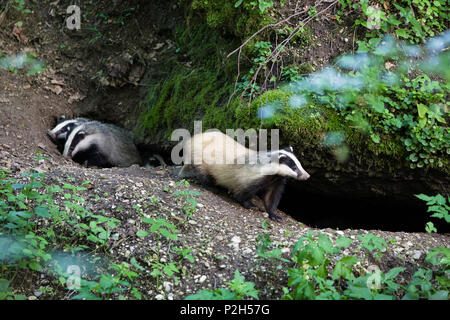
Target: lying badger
(264, 177)
(103, 145)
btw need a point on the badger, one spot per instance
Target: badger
(251, 173)
(102, 145)
(63, 129)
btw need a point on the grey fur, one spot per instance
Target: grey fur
(113, 144)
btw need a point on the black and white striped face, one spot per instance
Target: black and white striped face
(63, 129)
(291, 166)
(76, 140)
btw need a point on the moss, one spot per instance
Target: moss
(223, 16)
(305, 128)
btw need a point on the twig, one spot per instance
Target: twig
(3, 15)
(262, 29)
(277, 51)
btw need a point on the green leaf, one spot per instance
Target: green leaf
(380, 296)
(375, 137)
(423, 197)
(142, 233)
(422, 110)
(429, 227)
(35, 266)
(325, 243)
(394, 272)
(402, 33)
(343, 242)
(42, 212)
(440, 295)
(238, 3)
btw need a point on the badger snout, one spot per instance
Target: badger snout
(303, 176)
(51, 134)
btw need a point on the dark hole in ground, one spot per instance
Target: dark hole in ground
(368, 213)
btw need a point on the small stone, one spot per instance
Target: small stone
(202, 279)
(32, 298)
(167, 286)
(416, 254)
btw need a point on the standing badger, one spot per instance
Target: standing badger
(63, 129)
(206, 157)
(101, 145)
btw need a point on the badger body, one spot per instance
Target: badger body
(102, 145)
(213, 157)
(62, 130)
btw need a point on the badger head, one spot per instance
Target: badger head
(63, 129)
(289, 165)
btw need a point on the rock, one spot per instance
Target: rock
(167, 286)
(416, 254)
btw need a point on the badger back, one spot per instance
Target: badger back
(122, 150)
(214, 148)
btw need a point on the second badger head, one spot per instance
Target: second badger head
(101, 145)
(63, 128)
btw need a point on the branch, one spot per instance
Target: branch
(277, 51)
(3, 15)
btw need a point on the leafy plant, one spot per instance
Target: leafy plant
(373, 244)
(108, 284)
(188, 195)
(262, 5)
(237, 289)
(6, 292)
(438, 206)
(264, 248)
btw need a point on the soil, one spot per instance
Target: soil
(221, 234)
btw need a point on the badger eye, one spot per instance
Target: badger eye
(81, 134)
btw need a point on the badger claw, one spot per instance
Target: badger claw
(275, 217)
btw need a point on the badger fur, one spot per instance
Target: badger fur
(63, 129)
(103, 145)
(206, 157)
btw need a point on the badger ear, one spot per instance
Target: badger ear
(288, 149)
